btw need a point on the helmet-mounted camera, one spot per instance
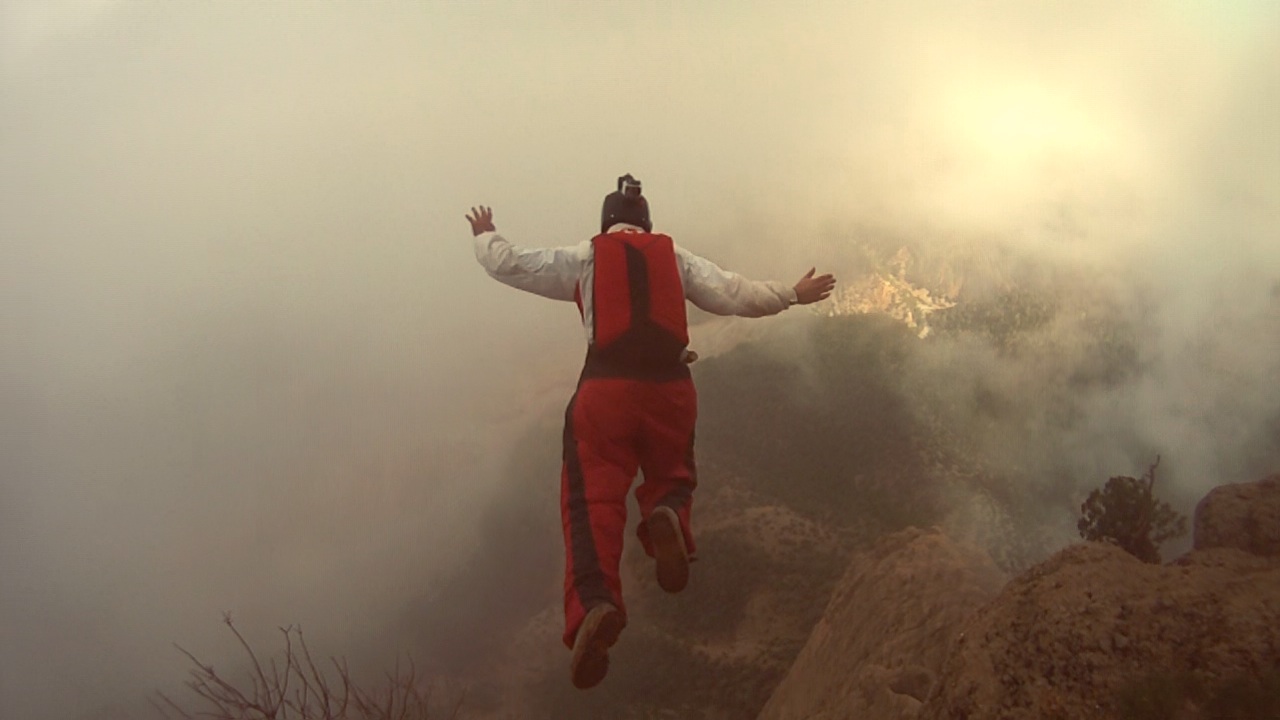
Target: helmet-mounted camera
(629, 186)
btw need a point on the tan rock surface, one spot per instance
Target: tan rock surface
(1245, 516)
(1068, 638)
(886, 631)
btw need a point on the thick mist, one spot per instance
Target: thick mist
(250, 365)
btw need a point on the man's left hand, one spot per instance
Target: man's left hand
(481, 220)
(813, 287)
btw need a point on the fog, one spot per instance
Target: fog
(249, 363)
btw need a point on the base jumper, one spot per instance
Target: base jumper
(635, 406)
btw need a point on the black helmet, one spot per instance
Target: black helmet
(626, 205)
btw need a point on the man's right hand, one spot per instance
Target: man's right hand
(811, 289)
(481, 220)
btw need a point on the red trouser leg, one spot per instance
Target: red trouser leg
(669, 412)
(600, 461)
(613, 427)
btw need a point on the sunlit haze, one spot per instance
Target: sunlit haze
(250, 364)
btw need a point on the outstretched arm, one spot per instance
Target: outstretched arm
(721, 292)
(549, 272)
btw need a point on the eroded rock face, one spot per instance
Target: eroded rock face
(1070, 637)
(893, 618)
(914, 630)
(1244, 516)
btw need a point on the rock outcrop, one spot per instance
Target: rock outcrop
(1244, 516)
(916, 631)
(887, 629)
(1082, 633)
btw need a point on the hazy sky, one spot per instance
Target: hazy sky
(249, 362)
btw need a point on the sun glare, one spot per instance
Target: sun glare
(1010, 144)
(1017, 126)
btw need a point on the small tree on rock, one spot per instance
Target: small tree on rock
(1125, 512)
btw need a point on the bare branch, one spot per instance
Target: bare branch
(457, 707)
(296, 688)
(257, 667)
(171, 704)
(219, 692)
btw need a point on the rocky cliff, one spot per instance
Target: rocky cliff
(1089, 633)
(890, 624)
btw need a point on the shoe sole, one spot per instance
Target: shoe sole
(599, 632)
(669, 550)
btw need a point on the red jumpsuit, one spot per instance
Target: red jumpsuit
(635, 407)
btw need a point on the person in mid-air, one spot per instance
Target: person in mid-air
(635, 406)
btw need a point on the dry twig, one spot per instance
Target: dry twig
(296, 688)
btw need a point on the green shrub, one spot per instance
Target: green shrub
(1126, 512)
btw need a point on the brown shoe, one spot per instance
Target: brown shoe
(669, 549)
(598, 632)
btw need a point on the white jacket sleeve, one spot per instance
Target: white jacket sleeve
(726, 293)
(549, 272)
